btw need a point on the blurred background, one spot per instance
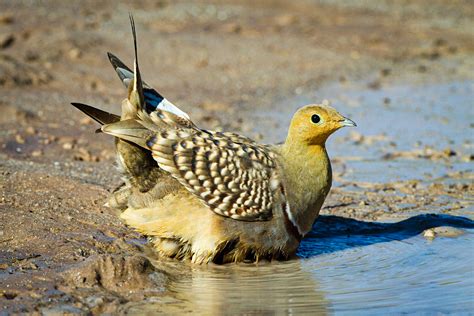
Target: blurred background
(403, 70)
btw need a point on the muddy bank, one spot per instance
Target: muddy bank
(225, 64)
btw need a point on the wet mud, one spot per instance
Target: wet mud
(395, 231)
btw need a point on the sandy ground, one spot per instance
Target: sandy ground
(60, 249)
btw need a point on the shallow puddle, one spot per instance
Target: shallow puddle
(392, 268)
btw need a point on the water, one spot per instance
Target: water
(347, 266)
(344, 266)
(391, 267)
(397, 277)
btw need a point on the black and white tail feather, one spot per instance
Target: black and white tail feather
(152, 99)
(147, 98)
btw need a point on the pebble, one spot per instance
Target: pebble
(385, 72)
(85, 121)
(68, 146)
(93, 301)
(6, 40)
(36, 153)
(31, 55)
(75, 53)
(443, 231)
(83, 154)
(6, 19)
(19, 139)
(30, 130)
(429, 234)
(232, 28)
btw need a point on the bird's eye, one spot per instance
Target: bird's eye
(315, 119)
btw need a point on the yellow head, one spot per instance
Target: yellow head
(312, 124)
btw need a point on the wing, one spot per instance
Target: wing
(231, 174)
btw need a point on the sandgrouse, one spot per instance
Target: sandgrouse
(215, 196)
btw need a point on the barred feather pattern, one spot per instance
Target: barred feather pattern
(231, 174)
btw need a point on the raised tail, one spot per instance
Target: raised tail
(153, 99)
(125, 74)
(135, 90)
(141, 95)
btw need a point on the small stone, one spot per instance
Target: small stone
(75, 53)
(36, 153)
(6, 40)
(232, 28)
(449, 152)
(429, 234)
(85, 121)
(83, 154)
(93, 301)
(467, 158)
(202, 63)
(95, 85)
(385, 72)
(68, 146)
(9, 295)
(375, 85)
(30, 130)
(31, 55)
(440, 42)
(19, 139)
(443, 231)
(6, 19)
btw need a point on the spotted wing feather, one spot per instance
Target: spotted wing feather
(231, 174)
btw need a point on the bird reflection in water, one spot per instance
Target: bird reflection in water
(277, 288)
